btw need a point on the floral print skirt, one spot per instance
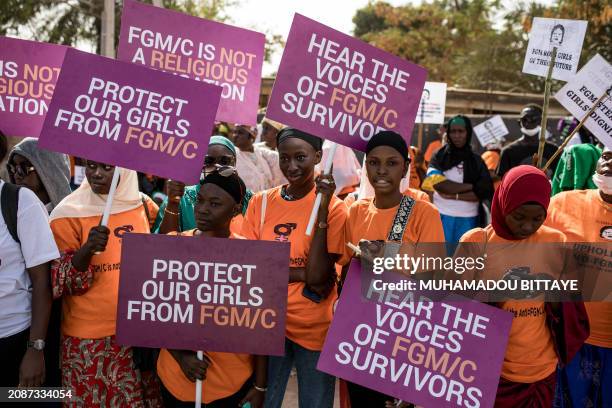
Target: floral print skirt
(101, 373)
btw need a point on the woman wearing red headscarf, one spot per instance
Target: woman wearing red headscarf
(519, 209)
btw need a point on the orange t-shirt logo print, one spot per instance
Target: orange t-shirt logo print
(119, 231)
(283, 231)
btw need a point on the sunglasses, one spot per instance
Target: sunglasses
(211, 161)
(22, 169)
(224, 171)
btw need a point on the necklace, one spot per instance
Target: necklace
(286, 196)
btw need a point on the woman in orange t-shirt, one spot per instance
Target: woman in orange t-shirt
(228, 379)
(418, 168)
(282, 214)
(372, 219)
(518, 212)
(98, 370)
(585, 216)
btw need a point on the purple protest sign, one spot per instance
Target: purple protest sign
(400, 343)
(131, 116)
(194, 293)
(199, 49)
(343, 89)
(28, 73)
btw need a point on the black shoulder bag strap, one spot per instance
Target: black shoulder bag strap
(402, 216)
(9, 200)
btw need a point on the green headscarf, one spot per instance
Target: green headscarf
(457, 120)
(223, 141)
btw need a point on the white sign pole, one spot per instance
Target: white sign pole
(317, 203)
(109, 200)
(553, 57)
(577, 128)
(420, 137)
(110, 197)
(198, 396)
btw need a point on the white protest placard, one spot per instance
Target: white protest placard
(433, 103)
(547, 33)
(79, 175)
(491, 130)
(579, 95)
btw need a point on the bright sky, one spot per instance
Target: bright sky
(275, 16)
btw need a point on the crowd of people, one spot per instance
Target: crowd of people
(60, 268)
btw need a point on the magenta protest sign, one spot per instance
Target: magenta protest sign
(130, 116)
(435, 354)
(199, 49)
(340, 88)
(28, 73)
(195, 293)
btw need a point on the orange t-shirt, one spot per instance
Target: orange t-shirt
(530, 354)
(349, 200)
(93, 315)
(410, 192)
(236, 224)
(582, 215)
(417, 194)
(226, 374)
(431, 149)
(286, 221)
(491, 159)
(365, 221)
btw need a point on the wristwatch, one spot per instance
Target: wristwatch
(323, 225)
(38, 344)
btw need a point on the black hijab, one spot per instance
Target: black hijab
(450, 155)
(474, 169)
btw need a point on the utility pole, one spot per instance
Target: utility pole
(107, 45)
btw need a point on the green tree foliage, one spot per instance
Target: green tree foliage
(209, 9)
(69, 22)
(477, 44)
(56, 21)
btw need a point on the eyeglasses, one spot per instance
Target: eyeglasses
(21, 169)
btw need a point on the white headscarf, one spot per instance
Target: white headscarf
(346, 170)
(83, 202)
